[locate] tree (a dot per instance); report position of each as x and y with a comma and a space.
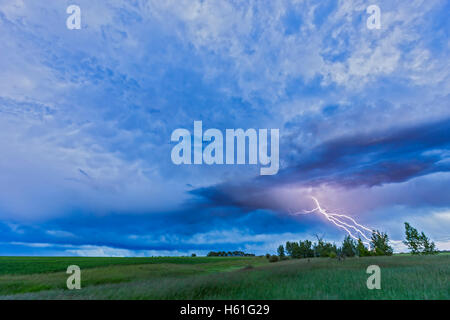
361, 249
418, 243
305, 249
332, 250
349, 247
319, 246
428, 247
412, 240
324, 249
280, 251
295, 250
193, 255
289, 248
380, 243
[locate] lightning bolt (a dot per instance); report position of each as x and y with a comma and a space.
342, 221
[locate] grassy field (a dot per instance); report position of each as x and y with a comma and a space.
402, 277
30, 265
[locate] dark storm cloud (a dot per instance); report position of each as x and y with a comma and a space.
376, 158
352, 161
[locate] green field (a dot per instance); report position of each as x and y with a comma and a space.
402, 277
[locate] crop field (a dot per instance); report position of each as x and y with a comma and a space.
402, 277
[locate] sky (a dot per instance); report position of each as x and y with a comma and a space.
86, 117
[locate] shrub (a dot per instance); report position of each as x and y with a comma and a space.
273, 258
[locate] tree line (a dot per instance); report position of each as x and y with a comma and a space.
417, 243
229, 254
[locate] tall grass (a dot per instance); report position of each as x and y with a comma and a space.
402, 277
